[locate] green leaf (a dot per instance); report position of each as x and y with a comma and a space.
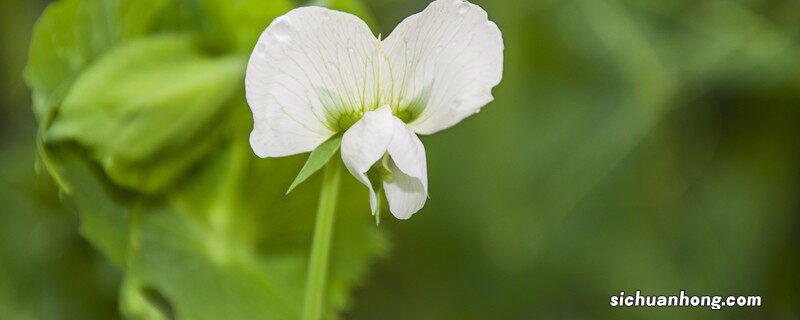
214, 249
143, 100
68, 36
104, 210
318, 158
143, 302
148, 136
71, 34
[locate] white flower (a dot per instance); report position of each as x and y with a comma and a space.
317, 72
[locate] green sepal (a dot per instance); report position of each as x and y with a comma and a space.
318, 158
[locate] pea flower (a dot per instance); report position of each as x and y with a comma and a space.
316, 73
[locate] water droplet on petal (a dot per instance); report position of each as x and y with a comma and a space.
351, 50
477, 111
438, 49
281, 30
332, 66
457, 103
463, 7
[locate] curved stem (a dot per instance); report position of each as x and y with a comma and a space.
321, 244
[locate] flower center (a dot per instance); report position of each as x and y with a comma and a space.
344, 120
381, 171
409, 110
340, 115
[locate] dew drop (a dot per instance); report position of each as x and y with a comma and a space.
281, 30
457, 104
463, 8
350, 49
332, 66
477, 111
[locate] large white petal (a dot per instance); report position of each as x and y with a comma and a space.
309, 67
407, 191
365, 143
445, 59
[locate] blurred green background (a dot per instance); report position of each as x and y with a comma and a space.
632, 145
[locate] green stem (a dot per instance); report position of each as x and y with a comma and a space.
321, 244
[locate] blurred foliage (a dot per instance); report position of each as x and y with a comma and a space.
143, 126
633, 145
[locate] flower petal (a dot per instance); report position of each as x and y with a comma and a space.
405, 194
311, 68
407, 191
365, 143
444, 61
408, 152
